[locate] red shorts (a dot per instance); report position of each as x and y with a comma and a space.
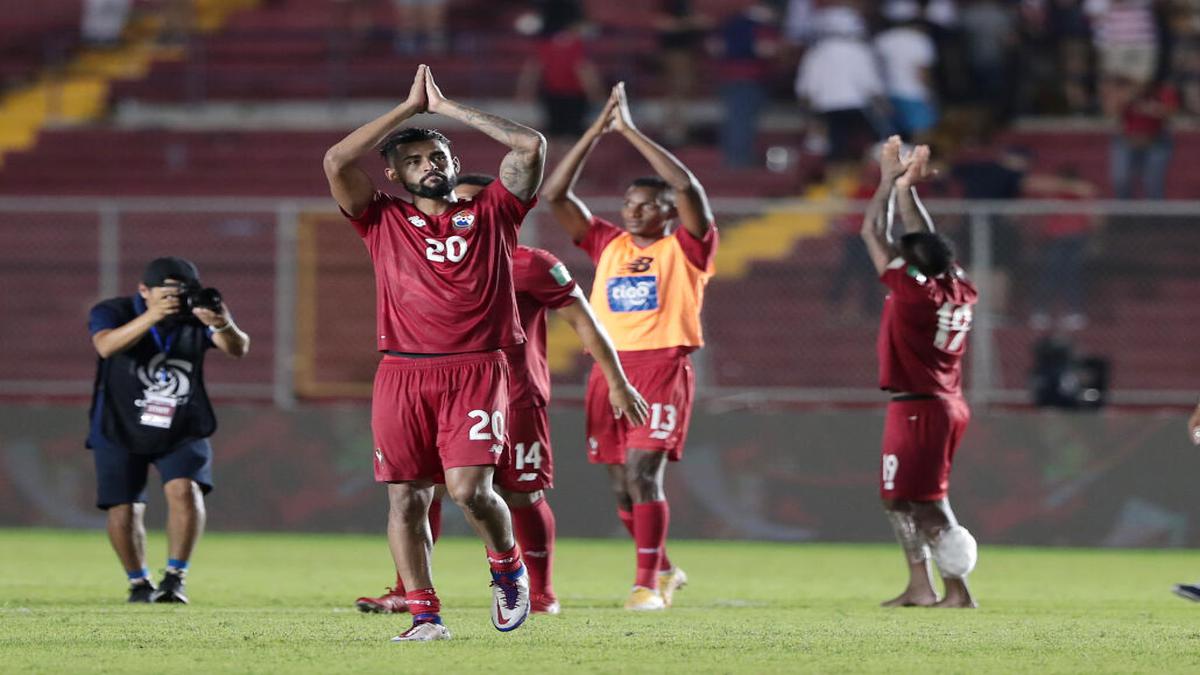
920, 438
668, 384
527, 464
438, 413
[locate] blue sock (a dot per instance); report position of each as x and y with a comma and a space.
176, 565
138, 575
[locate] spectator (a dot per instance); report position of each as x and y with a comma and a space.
680, 34
1143, 146
748, 42
564, 78
990, 31
420, 26
839, 81
1125, 34
989, 175
1070, 31
907, 54
1063, 248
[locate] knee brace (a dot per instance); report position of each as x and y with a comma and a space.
955, 552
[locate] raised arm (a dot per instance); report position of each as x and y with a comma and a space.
912, 212
875, 231
624, 398
690, 200
349, 183
559, 190
521, 169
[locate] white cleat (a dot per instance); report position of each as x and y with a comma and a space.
669, 582
424, 632
510, 600
642, 599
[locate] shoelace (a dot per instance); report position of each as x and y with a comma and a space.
510, 590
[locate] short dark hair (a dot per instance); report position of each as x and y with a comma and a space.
478, 179
931, 253
410, 135
655, 183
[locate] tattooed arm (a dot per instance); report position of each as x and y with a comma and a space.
521, 170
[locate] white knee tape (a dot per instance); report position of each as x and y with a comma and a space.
955, 552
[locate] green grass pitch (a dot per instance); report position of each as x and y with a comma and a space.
283, 604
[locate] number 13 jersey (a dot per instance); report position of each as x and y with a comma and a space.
923, 333
443, 283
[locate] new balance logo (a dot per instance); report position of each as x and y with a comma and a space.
527, 477
649, 550
427, 603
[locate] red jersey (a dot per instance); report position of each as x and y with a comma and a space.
443, 284
923, 334
542, 283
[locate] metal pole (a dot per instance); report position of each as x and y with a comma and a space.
109, 250
286, 218
983, 345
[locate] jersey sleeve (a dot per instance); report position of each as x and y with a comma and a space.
548, 280
104, 317
503, 206
369, 218
699, 251
600, 233
905, 282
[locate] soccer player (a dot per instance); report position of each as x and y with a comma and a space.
922, 338
527, 469
649, 287
445, 310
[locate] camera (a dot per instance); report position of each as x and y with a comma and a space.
193, 295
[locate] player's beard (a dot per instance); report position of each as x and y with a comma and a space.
438, 190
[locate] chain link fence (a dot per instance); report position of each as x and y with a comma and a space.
791, 316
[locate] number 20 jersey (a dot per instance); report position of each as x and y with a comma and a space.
443, 283
923, 334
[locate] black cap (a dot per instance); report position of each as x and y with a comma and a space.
161, 269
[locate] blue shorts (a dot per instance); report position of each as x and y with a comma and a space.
121, 475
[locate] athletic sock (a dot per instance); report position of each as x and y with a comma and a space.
505, 562
627, 520
650, 522
177, 566
534, 529
424, 606
138, 575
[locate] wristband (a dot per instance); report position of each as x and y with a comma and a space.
228, 326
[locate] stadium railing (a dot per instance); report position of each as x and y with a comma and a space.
790, 318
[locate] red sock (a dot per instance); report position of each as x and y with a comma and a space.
435, 519
504, 562
435, 527
650, 535
424, 605
627, 520
534, 529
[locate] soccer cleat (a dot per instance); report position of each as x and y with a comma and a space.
170, 589
542, 603
643, 599
141, 591
391, 602
669, 582
510, 601
425, 631
1187, 591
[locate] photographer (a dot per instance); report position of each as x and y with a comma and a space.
149, 406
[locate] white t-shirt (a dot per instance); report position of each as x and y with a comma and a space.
904, 52
839, 74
